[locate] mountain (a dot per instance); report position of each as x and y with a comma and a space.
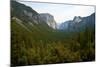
47, 18
64, 25
71, 23
22, 12
77, 19
79, 23
35, 39
89, 20
28, 15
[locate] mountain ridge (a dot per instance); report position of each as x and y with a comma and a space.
78, 22
35, 42
27, 14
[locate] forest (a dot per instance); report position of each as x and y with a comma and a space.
51, 47
33, 42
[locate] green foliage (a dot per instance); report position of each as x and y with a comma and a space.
40, 44
45, 47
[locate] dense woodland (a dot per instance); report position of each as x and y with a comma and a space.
43, 45
52, 47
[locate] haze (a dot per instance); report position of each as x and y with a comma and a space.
61, 12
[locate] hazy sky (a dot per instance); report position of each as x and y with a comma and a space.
61, 12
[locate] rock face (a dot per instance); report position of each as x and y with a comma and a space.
49, 19
71, 23
79, 23
77, 19
64, 26
21, 10
28, 15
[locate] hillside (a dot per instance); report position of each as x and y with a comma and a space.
79, 24
35, 39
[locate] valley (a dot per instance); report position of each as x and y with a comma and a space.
36, 39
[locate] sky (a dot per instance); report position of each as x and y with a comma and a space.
61, 12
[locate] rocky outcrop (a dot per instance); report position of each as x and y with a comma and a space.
48, 18
28, 15
79, 23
